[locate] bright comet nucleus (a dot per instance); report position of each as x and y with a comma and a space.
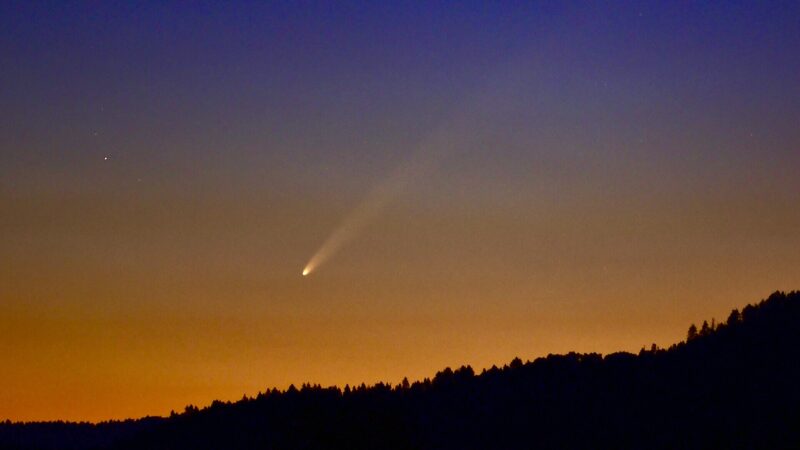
306, 271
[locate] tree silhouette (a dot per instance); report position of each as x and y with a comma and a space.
728, 386
692, 332
734, 318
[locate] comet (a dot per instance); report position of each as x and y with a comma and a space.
456, 133
419, 165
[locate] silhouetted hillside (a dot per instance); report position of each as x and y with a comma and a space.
730, 385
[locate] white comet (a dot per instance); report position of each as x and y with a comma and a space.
457, 133
420, 164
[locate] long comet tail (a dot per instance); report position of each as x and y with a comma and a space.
426, 159
419, 165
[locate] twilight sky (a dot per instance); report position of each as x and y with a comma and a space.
584, 176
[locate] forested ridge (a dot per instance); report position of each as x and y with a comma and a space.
734, 383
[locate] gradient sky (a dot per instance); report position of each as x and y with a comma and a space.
617, 171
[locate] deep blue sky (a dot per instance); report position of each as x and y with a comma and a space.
155, 79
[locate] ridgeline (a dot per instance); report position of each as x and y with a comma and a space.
733, 384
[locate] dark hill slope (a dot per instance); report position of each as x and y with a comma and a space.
735, 385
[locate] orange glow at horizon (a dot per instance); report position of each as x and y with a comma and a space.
141, 321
